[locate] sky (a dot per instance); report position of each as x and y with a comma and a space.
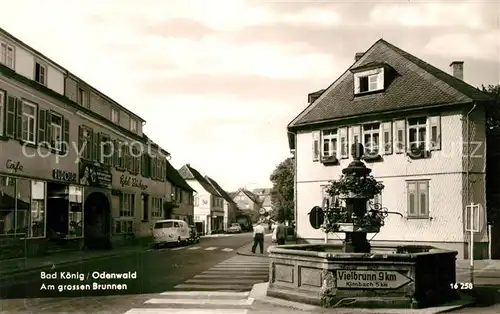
219, 80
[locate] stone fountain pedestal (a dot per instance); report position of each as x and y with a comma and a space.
310, 274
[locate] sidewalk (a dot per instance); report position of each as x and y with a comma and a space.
484, 264
10, 267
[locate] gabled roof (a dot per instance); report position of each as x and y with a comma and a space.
176, 179
416, 84
219, 189
251, 196
189, 173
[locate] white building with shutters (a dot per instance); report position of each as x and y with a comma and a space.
412, 120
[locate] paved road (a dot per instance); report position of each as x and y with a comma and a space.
224, 288
156, 271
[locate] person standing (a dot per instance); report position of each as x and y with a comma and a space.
281, 233
258, 238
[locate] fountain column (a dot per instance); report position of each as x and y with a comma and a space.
356, 242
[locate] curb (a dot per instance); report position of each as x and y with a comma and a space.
25, 270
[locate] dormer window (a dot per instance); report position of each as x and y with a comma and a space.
369, 78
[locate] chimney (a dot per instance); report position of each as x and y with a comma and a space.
457, 68
358, 55
313, 96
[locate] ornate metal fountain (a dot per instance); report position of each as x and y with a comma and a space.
352, 211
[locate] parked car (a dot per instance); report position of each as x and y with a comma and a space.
234, 228
194, 236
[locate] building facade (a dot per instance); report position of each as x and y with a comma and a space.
69, 176
264, 195
420, 128
208, 203
230, 207
248, 203
181, 200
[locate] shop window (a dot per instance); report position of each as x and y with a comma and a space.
15, 200
37, 209
75, 214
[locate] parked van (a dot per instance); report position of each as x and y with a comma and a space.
171, 231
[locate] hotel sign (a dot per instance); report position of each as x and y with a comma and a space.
371, 279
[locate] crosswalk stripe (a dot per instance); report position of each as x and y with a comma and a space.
244, 263
212, 281
177, 248
186, 311
237, 268
207, 293
210, 248
241, 266
227, 250
248, 301
194, 248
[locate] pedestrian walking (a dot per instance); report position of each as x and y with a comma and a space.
258, 238
281, 233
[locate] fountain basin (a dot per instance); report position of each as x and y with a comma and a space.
395, 277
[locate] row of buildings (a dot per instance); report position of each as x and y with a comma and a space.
425, 138
76, 168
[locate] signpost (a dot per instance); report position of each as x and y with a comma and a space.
371, 279
472, 211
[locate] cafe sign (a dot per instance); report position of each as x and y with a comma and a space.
371, 279
64, 175
14, 165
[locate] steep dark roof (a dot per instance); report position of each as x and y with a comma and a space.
176, 179
219, 189
251, 196
189, 173
416, 84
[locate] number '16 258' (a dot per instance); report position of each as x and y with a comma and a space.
461, 285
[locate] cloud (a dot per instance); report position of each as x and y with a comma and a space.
484, 45
428, 14
175, 57
178, 27
248, 87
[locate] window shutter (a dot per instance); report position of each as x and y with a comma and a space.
357, 89
126, 157
380, 79
81, 140
48, 129
116, 153
412, 199
435, 132
400, 136
387, 137
41, 126
344, 143
66, 144
19, 119
143, 167
10, 117
423, 197
315, 145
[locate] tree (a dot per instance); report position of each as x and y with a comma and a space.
493, 112
492, 151
282, 193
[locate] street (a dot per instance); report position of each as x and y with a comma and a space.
152, 272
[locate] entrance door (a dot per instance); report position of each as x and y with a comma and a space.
97, 221
145, 207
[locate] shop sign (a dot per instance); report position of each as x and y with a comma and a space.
92, 175
133, 182
64, 175
14, 165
